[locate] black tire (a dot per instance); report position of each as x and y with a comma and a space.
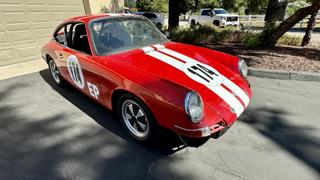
159, 26
152, 134
193, 23
216, 23
55, 74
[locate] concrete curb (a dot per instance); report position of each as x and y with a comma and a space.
285, 75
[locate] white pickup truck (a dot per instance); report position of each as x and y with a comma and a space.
217, 16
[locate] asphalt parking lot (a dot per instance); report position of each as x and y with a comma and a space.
52, 133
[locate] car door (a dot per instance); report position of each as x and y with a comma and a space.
206, 17
77, 62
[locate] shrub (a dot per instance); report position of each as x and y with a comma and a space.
290, 40
251, 40
196, 35
209, 34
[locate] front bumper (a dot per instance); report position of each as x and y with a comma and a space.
230, 23
215, 131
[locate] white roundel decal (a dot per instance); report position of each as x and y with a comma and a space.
75, 71
203, 74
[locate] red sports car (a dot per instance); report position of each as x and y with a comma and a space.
126, 64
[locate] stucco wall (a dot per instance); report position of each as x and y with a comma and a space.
103, 6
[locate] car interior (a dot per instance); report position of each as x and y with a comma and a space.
76, 37
80, 39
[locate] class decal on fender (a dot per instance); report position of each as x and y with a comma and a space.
75, 72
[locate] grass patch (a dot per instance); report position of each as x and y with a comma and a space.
211, 35
290, 40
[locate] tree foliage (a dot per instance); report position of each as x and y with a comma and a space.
152, 5
130, 3
272, 33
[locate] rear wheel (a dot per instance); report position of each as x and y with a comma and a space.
216, 23
159, 26
55, 74
137, 119
193, 23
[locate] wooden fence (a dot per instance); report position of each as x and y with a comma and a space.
258, 21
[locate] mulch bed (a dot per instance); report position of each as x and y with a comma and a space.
291, 58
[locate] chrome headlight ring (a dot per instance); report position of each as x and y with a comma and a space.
243, 68
193, 106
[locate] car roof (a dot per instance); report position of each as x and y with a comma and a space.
144, 13
87, 18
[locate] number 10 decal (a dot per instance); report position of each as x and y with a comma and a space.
75, 71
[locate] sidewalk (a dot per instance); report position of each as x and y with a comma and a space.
22, 69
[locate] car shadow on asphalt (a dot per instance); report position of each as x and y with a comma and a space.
295, 139
53, 147
106, 118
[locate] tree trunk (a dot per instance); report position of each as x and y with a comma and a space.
269, 37
309, 30
173, 14
270, 17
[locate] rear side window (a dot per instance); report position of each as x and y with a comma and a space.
206, 12
59, 36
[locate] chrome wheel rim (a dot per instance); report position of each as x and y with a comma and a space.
135, 119
54, 71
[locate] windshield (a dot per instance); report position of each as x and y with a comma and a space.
122, 33
220, 11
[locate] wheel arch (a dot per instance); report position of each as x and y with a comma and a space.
117, 93
48, 57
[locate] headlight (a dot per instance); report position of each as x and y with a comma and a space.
243, 68
193, 106
223, 18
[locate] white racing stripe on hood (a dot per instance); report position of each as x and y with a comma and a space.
224, 94
237, 90
167, 59
233, 102
227, 82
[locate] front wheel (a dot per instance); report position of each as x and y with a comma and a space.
216, 23
137, 119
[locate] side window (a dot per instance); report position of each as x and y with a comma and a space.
59, 35
77, 38
149, 15
206, 12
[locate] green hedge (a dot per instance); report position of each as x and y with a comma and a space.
212, 35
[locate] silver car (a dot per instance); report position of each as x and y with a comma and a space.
155, 18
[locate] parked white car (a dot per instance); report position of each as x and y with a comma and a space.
155, 18
217, 16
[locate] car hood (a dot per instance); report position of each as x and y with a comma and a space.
174, 62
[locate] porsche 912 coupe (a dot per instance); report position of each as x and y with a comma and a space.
127, 65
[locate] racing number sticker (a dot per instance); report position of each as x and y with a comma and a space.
75, 71
203, 74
